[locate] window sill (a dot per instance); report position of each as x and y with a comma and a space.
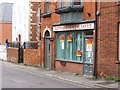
45, 15
80, 62
117, 62
69, 9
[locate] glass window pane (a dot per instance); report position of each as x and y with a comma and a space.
47, 7
60, 46
79, 47
88, 49
76, 2
69, 46
65, 3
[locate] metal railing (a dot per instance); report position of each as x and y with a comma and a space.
13, 44
29, 45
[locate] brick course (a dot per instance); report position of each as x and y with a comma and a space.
12, 55
32, 57
69, 67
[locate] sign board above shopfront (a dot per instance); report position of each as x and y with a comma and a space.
85, 26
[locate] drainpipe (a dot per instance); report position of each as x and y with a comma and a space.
96, 29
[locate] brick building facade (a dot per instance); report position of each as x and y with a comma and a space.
104, 39
48, 18
49, 34
81, 39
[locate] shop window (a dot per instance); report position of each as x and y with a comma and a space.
79, 47
60, 46
69, 46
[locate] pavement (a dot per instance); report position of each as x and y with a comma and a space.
3, 52
86, 81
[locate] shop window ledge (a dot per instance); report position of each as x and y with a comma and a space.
117, 62
63, 60
69, 9
45, 15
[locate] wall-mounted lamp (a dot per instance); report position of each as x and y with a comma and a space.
98, 13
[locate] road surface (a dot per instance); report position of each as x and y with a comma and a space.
18, 76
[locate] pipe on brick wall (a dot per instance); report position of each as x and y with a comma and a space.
96, 31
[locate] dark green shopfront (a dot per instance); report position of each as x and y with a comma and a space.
75, 47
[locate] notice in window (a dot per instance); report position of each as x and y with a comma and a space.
89, 54
62, 45
89, 47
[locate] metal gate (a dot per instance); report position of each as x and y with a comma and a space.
20, 54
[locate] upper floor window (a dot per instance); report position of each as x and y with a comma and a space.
67, 3
47, 6
76, 2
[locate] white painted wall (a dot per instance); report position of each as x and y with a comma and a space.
21, 19
3, 53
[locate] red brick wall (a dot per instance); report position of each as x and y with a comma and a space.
5, 32
12, 55
49, 21
108, 40
89, 8
32, 57
69, 67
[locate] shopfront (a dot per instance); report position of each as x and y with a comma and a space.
75, 47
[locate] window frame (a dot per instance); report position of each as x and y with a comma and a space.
71, 3
74, 47
47, 6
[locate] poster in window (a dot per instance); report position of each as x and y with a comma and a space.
62, 45
89, 45
78, 53
89, 42
61, 38
69, 38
